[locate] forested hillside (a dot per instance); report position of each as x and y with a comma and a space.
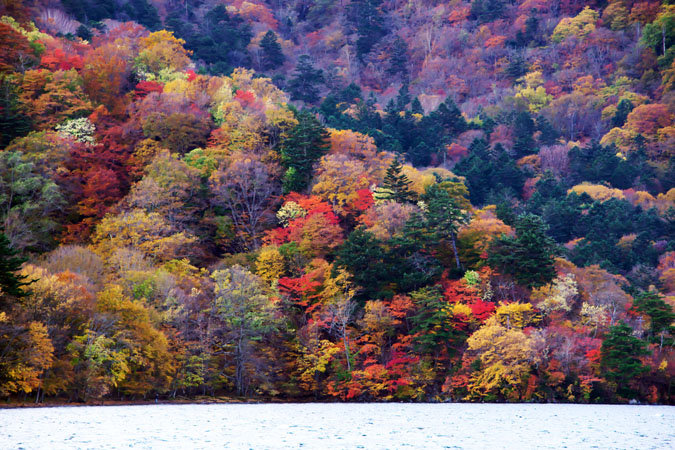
358, 200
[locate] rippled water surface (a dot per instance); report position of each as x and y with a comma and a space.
329, 426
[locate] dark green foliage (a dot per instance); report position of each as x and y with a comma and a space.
13, 121
28, 201
487, 10
489, 172
304, 84
548, 135
220, 40
403, 98
11, 283
620, 358
272, 57
363, 256
661, 317
420, 156
302, 147
489, 123
523, 134
380, 269
367, 20
443, 217
396, 185
419, 139
142, 12
88, 11
517, 66
416, 107
597, 163
622, 110
558, 210
528, 256
84, 33
432, 324
449, 117
529, 36
398, 61
350, 94
602, 224
411, 263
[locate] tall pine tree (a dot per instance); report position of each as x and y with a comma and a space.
396, 185
272, 57
528, 256
304, 84
10, 282
302, 147
398, 63
621, 353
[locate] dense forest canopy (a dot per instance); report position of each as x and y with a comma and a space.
318, 199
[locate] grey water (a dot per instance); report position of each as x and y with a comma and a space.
340, 426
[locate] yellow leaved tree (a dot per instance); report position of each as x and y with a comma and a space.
506, 358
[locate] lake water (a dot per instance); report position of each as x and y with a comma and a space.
339, 426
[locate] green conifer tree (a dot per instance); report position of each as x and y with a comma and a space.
620, 358
10, 283
304, 145
396, 185
398, 63
304, 84
272, 56
528, 256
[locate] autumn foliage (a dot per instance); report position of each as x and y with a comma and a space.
368, 201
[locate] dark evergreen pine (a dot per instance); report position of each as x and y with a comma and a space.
620, 358
490, 172
431, 327
517, 66
143, 12
11, 283
363, 257
443, 217
420, 155
596, 163
403, 98
416, 107
302, 147
396, 185
440, 126
304, 84
622, 110
88, 11
13, 122
350, 94
84, 33
528, 256
272, 56
489, 124
548, 135
368, 21
661, 317
487, 10
523, 134
450, 117
220, 40
398, 62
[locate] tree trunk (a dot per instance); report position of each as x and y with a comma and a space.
454, 249
345, 338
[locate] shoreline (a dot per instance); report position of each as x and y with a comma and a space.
237, 401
